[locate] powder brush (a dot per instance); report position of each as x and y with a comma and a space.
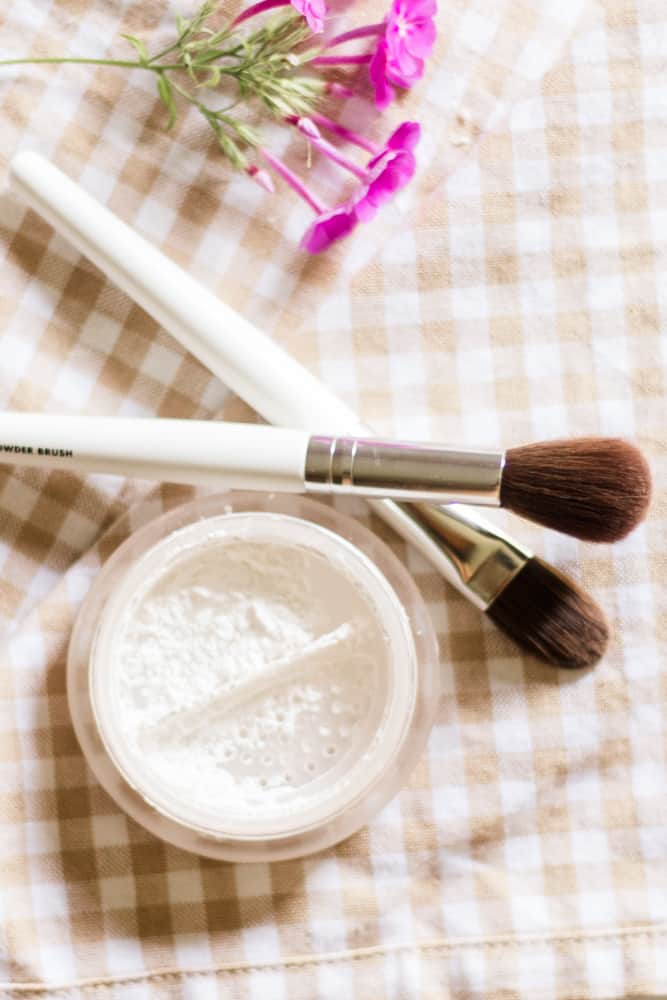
592, 488
543, 610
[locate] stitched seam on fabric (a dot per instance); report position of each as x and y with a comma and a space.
300, 962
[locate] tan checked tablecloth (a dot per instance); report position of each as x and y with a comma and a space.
521, 293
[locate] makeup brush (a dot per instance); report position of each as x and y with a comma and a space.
567, 485
541, 608
595, 488
544, 611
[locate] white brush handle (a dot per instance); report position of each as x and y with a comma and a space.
245, 359
250, 457
238, 456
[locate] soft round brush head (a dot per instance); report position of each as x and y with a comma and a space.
597, 489
548, 613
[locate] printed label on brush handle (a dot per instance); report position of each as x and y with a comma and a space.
21, 449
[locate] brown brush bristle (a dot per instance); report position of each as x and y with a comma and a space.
597, 489
548, 613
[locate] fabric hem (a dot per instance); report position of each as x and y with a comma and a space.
444, 945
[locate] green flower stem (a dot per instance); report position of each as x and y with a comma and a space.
123, 63
170, 48
219, 54
151, 65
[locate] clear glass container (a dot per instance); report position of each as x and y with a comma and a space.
367, 767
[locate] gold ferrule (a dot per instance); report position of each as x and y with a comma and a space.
403, 471
472, 554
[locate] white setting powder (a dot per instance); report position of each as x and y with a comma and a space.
249, 676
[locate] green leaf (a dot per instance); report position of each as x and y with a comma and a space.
139, 46
187, 62
167, 97
213, 78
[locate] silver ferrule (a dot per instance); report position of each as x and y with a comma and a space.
403, 471
475, 556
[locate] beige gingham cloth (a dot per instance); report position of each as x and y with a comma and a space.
520, 293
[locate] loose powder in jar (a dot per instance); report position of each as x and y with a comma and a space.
253, 675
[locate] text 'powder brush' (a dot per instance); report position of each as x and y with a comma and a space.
567, 485
543, 611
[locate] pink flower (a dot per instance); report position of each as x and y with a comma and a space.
407, 40
331, 224
314, 12
329, 227
410, 34
389, 170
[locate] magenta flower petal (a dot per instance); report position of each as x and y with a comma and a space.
423, 9
329, 227
391, 172
314, 12
403, 68
406, 136
420, 39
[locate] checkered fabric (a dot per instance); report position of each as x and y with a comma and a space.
516, 294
